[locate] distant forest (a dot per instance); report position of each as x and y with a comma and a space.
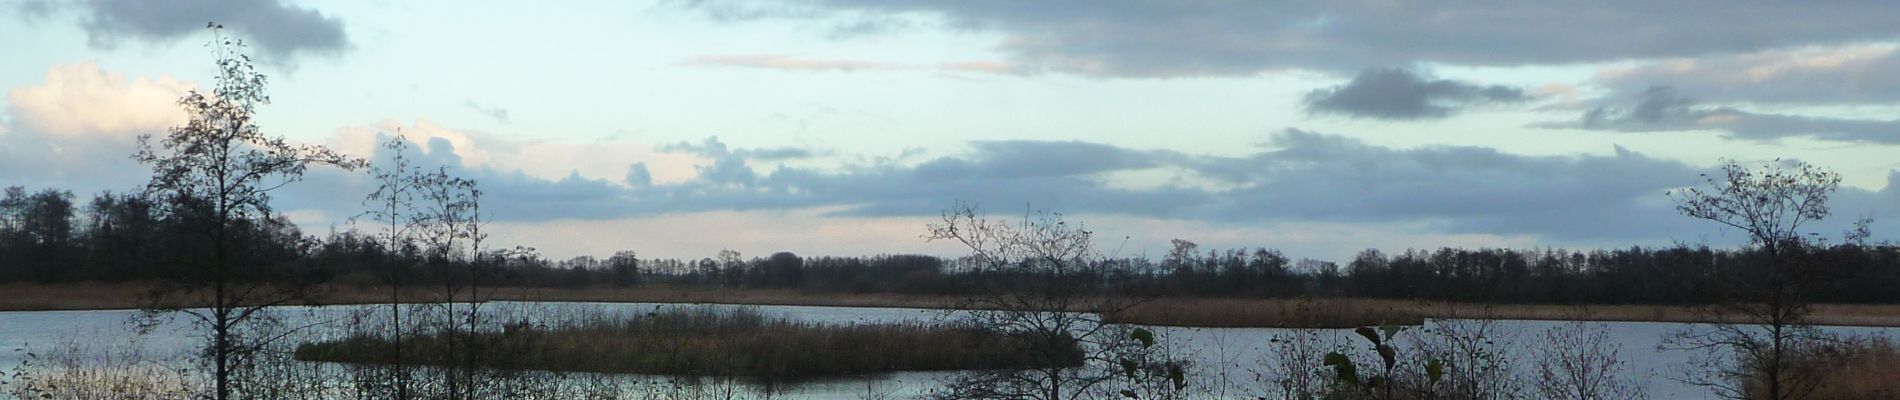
46, 236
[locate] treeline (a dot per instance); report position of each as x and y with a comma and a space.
46, 236
49, 236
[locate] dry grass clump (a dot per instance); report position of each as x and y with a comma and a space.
1865, 369
699, 341
75, 369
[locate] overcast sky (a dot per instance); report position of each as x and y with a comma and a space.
841, 127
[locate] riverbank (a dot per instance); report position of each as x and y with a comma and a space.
1204, 312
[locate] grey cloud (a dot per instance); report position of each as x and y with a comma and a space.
1159, 39
1029, 158
638, 176
82, 164
715, 149
1765, 127
1400, 94
1300, 176
31, 10
281, 31
1851, 74
498, 113
1661, 109
1465, 189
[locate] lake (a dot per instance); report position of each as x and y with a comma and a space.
1239, 353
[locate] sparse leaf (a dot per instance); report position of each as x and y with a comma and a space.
1178, 375
1343, 368
1146, 337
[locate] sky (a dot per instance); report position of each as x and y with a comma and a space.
842, 127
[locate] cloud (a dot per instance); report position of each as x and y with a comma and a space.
701, 234
783, 62
791, 63
1400, 94
988, 67
638, 176
538, 159
1662, 109
1299, 189
1844, 74
77, 128
712, 148
1301, 177
1161, 39
83, 100
498, 113
283, 32
1309, 192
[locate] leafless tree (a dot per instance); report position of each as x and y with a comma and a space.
395, 201
451, 224
1480, 358
1038, 291
1765, 306
220, 167
1578, 360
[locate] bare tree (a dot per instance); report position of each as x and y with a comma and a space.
1766, 305
394, 201
1578, 360
452, 221
220, 169
433, 217
1038, 290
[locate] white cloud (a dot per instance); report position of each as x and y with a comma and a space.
753, 233
549, 160
81, 100
308, 217
76, 129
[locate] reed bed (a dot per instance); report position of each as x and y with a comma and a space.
1864, 369
697, 341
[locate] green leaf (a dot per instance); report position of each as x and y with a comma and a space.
1435, 370
1146, 337
1130, 394
1369, 334
1335, 359
1343, 368
1178, 375
1390, 330
1129, 367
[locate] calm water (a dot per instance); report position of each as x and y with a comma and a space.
1240, 352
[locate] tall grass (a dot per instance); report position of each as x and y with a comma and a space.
700, 341
1862, 369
